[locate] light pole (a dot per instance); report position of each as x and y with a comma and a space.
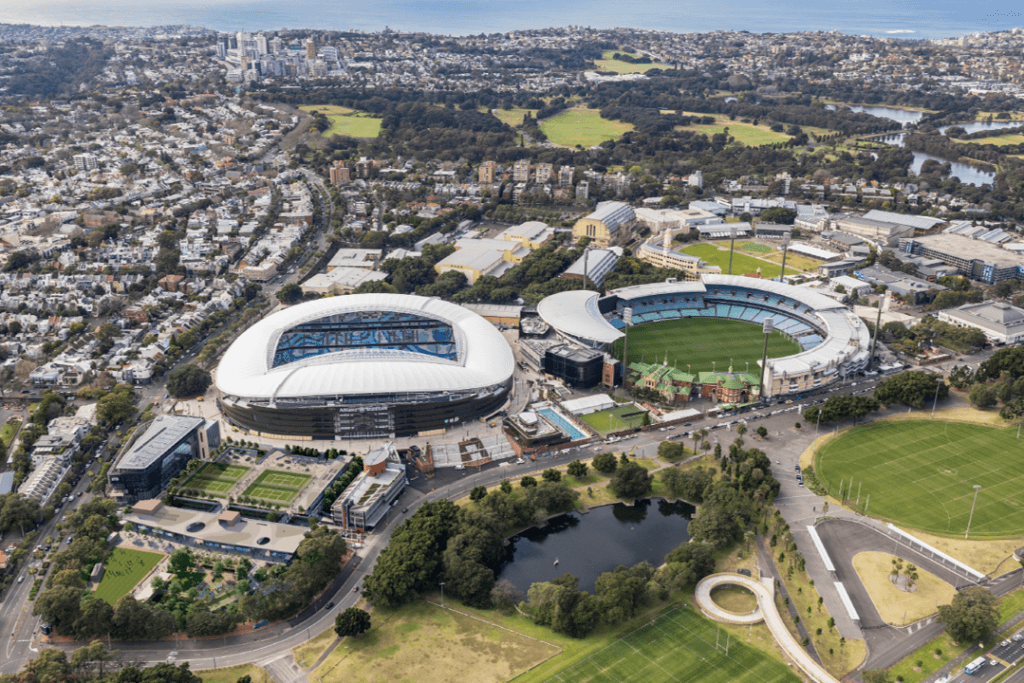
785, 250
442, 594
976, 488
732, 240
767, 327
936, 402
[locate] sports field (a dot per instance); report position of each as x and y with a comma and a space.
743, 133
679, 646
623, 417
345, 121
124, 569
699, 341
277, 486
922, 474
582, 127
607, 63
741, 262
216, 479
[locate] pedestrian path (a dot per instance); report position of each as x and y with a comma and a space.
766, 611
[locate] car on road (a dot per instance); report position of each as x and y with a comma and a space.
404, 510
330, 605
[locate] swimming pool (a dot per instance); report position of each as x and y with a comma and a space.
563, 424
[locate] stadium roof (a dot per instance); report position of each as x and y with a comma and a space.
163, 433
575, 314
916, 222
655, 288
483, 357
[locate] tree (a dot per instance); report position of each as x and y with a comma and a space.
290, 294
527, 482
972, 616
605, 463
352, 622
61, 606
116, 406
188, 380
551, 475
51, 666
631, 481
875, 676
762, 432
506, 486
478, 493
93, 653
577, 469
182, 561
982, 396
912, 388
505, 596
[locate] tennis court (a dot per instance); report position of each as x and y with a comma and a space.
215, 478
617, 419
277, 486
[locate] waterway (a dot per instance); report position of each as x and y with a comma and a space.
968, 174
900, 116
587, 545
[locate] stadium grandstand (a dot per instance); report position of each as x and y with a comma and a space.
834, 343
368, 365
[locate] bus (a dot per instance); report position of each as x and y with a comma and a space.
975, 666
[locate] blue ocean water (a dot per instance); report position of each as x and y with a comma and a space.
903, 19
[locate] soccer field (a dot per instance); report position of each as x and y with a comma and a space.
922, 474
741, 263
699, 341
679, 646
277, 486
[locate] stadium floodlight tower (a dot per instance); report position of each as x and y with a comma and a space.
627, 317
977, 487
732, 240
768, 326
785, 250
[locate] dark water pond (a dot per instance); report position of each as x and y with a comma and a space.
599, 541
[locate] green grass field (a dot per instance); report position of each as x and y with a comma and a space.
215, 478
124, 569
922, 474
512, 117
616, 419
277, 486
755, 248
679, 646
582, 127
741, 263
743, 133
606, 63
345, 121
699, 341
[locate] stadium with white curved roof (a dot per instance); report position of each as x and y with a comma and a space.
366, 365
834, 342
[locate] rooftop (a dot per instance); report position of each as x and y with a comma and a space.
965, 247
163, 433
207, 527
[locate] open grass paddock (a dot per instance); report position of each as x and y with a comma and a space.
742, 263
607, 63
699, 341
345, 121
124, 569
583, 127
678, 646
921, 474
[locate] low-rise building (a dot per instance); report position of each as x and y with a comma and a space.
607, 226
1001, 322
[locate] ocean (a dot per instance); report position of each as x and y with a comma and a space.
880, 18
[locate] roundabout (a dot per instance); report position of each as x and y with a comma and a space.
765, 611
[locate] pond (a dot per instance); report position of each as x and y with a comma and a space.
969, 175
978, 126
587, 545
900, 116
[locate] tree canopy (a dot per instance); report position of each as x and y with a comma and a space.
973, 615
911, 388
188, 380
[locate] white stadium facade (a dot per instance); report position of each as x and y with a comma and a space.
834, 342
366, 365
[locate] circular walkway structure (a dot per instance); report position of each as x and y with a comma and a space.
766, 611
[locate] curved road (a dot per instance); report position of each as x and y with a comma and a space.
766, 611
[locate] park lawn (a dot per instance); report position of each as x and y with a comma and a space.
424, 643
997, 140
606, 63
513, 117
124, 569
345, 121
704, 344
743, 133
583, 127
735, 599
922, 474
1009, 606
8, 431
741, 263
306, 654
897, 607
231, 674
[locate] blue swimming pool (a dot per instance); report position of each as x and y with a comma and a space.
563, 424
